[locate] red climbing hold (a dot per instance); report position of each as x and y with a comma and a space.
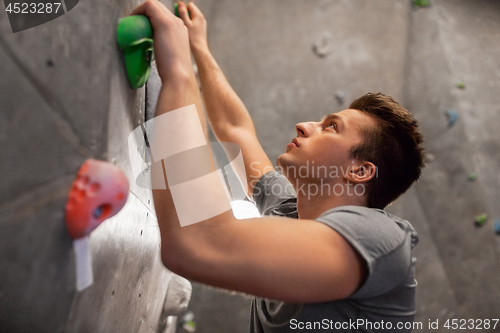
99, 191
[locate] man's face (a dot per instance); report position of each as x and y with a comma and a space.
325, 143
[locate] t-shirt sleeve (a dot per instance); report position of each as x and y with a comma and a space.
384, 244
274, 195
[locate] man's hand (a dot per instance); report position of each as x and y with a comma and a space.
171, 41
196, 24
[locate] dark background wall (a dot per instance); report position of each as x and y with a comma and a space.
64, 98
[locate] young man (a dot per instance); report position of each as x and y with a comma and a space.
330, 259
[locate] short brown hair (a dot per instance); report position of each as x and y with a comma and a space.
395, 147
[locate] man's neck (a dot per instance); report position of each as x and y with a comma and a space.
311, 206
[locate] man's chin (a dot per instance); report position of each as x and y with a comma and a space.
281, 161
284, 161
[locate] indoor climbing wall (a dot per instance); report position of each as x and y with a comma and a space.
64, 98
292, 61
453, 66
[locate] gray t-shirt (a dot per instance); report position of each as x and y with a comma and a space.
386, 300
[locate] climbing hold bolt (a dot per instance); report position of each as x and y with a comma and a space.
135, 38
452, 116
481, 219
99, 191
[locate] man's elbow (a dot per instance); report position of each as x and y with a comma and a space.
178, 255
186, 249
172, 261
230, 132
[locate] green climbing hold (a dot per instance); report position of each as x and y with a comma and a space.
189, 326
135, 38
472, 176
460, 85
481, 219
421, 3
176, 10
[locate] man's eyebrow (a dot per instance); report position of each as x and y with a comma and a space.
333, 116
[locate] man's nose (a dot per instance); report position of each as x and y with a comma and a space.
305, 129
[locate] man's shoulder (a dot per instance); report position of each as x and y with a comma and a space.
383, 240
370, 228
366, 216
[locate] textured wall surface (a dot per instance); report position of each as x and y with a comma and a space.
64, 97
460, 41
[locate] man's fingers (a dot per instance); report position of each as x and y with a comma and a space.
152, 9
183, 11
194, 10
144, 8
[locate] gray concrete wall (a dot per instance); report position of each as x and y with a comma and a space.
64, 97
460, 41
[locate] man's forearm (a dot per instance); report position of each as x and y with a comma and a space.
229, 118
177, 91
224, 108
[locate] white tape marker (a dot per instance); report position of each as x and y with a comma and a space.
83, 260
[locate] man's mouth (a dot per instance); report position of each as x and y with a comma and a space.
293, 144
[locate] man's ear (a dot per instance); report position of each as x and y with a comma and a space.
362, 172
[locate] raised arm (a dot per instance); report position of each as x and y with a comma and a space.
228, 117
284, 259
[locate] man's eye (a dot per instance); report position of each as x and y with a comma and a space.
333, 125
